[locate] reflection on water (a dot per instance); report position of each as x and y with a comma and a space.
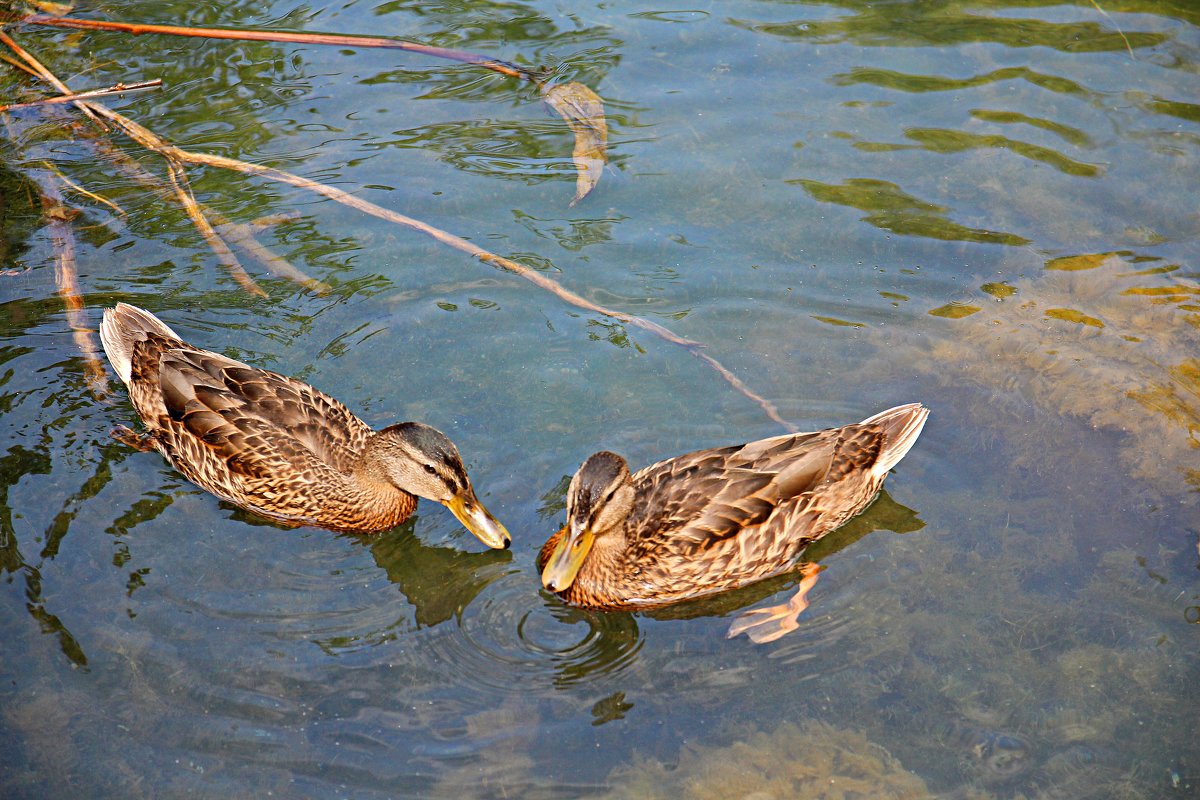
985, 206
893, 209
439, 581
963, 23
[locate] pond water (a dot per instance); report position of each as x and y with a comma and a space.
986, 207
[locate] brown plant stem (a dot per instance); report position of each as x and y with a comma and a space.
228, 260
47, 76
580, 107
1124, 38
242, 236
58, 219
180, 191
95, 198
337, 40
119, 88
12, 62
152, 141
176, 156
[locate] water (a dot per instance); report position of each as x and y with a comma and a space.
986, 207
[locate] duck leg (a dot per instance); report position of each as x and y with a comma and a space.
764, 625
143, 442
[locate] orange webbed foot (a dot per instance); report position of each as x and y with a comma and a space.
764, 625
140, 441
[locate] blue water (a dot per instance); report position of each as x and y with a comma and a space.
986, 207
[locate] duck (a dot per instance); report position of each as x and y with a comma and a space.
717, 519
276, 446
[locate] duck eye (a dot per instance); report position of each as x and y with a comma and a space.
429, 468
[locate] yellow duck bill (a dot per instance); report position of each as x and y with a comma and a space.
566, 559
478, 520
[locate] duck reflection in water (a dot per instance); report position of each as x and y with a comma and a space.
439, 582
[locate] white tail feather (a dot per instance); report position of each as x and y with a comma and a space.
122, 328
901, 427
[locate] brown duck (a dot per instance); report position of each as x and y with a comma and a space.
279, 447
718, 519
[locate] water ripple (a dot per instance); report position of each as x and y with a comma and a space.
512, 636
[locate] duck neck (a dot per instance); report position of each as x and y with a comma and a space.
374, 492
369, 467
606, 569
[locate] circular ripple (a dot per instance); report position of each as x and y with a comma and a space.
512, 636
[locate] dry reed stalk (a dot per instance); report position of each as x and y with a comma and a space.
119, 88
179, 191
58, 219
243, 236
47, 75
335, 39
176, 156
12, 62
183, 193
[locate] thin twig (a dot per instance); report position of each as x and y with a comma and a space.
178, 176
239, 235
243, 236
89, 195
337, 40
184, 193
48, 76
119, 88
23, 67
528, 273
579, 106
58, 218
1115, 25
175, 156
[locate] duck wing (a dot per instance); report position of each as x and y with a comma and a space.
705, 500
257, 422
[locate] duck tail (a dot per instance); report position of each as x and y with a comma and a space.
901, 427
122, 328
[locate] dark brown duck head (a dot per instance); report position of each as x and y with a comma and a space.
599, 501
422, 461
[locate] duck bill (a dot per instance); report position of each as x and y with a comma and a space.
567, 557
478, 520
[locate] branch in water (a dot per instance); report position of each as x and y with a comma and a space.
119, 88
47, 76
335, 39
175, 155
58, 219
579, 106
183, 193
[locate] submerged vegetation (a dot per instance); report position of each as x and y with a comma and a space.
1088, 340
812, 761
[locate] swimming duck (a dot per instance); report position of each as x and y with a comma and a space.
717, 519
277, 446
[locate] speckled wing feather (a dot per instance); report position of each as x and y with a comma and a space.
237, 431
702, 498
266, 409
736, 514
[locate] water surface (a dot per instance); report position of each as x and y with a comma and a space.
986, 207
